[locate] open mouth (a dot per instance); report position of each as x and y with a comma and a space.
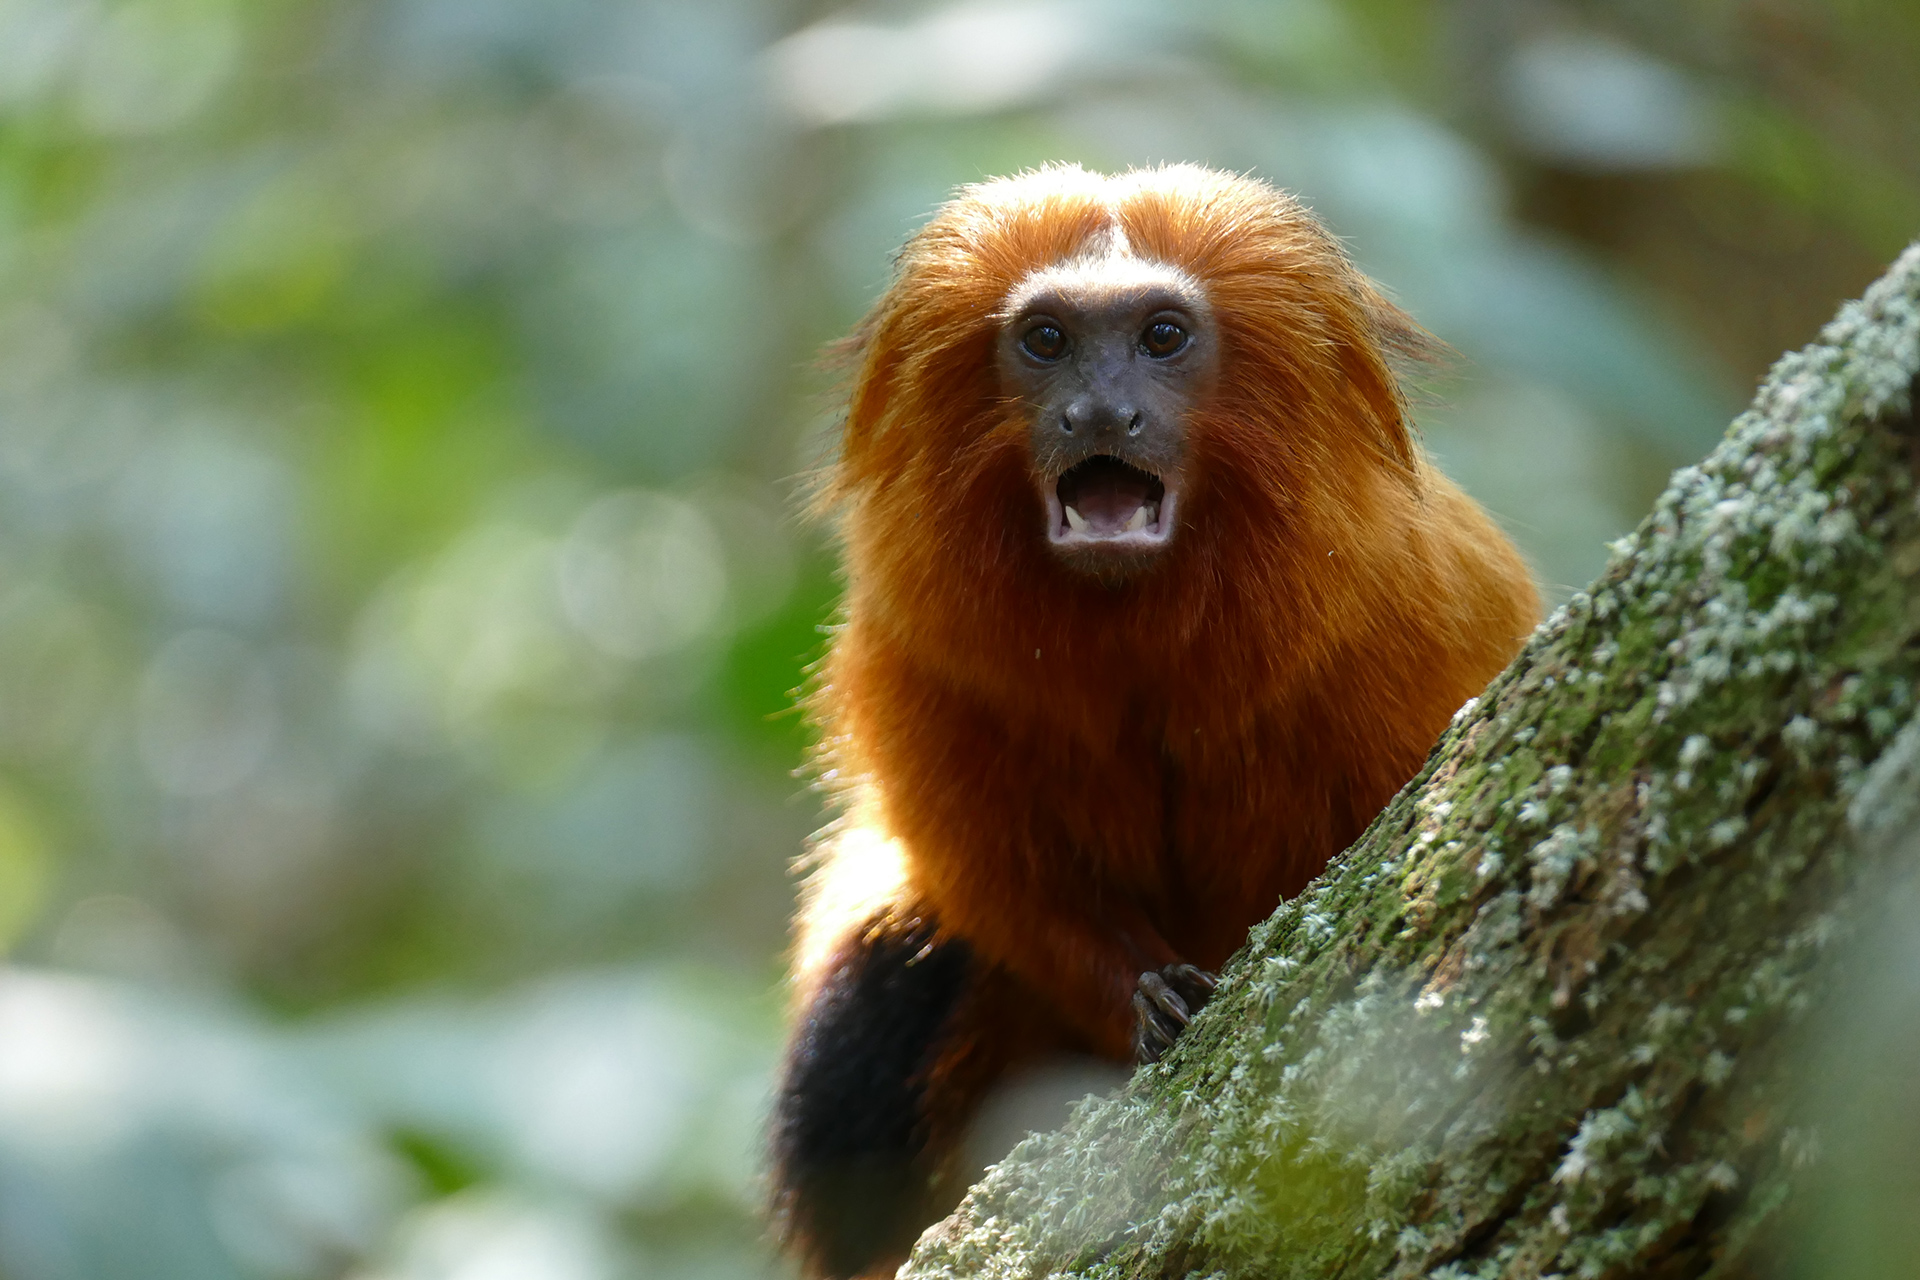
1103, 501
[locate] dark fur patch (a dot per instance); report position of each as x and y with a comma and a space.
851, 1167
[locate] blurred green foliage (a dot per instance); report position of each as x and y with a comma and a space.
401, 408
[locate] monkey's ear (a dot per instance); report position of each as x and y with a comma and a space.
867, 366
1412, 352
1409, 358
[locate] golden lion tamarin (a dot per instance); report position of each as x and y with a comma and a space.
1152, 603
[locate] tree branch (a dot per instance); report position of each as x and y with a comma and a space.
1538, 1018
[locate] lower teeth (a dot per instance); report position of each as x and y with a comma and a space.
1136, 523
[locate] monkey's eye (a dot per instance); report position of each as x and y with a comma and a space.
1163, 338
1044, 342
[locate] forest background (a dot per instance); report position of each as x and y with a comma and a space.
401, 407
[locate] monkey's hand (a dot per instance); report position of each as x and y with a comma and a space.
1162, 1005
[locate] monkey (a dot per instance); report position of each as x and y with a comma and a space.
1152, 602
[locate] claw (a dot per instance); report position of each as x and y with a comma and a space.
1193, 976
1163, 997
1150, 1039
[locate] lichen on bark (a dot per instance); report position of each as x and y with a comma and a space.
1537, 1021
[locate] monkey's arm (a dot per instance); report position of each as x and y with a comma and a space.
1086, 955
862, 877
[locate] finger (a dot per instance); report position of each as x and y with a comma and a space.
1150, 1037
1193, 975
1164, 997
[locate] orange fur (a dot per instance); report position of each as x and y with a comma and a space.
1087, 780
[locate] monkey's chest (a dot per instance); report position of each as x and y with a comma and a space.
1197, 826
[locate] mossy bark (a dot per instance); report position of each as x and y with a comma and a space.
1539, 1019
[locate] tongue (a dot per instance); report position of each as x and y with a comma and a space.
1107, 497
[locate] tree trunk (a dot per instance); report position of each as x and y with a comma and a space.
1540, 1019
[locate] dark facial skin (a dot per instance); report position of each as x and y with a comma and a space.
1108, 360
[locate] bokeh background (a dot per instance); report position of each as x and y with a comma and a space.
400, 409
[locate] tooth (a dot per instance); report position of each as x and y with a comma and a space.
1138, 520
1076, 521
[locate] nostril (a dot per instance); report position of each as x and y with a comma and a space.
1133, 427
1066, 424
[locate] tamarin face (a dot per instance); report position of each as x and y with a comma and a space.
1171, 380
1107, 355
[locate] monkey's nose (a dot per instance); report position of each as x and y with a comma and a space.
1098, 416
